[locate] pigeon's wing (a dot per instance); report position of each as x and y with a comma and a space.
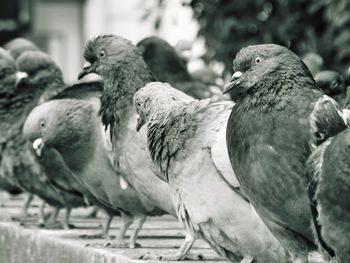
219, 150
216, 122
19, 164
57, 172
314, 167
84, 90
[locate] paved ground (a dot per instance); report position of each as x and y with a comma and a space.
29, 243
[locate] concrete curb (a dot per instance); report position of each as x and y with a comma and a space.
19, 245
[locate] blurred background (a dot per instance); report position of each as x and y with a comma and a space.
206, 32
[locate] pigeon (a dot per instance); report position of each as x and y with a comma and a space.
8, 78
123, 70
333, 84
168, 66
14, 48
73, 128
18, 46
18, 160
186, 138
328, 169
61, 177
269, 142
7, 85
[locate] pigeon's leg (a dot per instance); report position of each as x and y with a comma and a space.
106, 226
138, 223
119, 241
66, 224
181, 254
105, 230
24, 211
52, 223
2, 198
185, 248
42, 216
26, 205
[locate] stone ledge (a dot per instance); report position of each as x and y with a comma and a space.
22, 245
30, 244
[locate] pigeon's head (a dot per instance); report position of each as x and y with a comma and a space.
259, 64
38, 66
34, 61
106, 53
163, 60
326, 120
155, 99
57, 123
313, 61
331, 82
7, 65
149, 44
18, 46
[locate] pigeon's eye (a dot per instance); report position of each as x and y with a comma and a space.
139, 104
334, 84
257, 60
102, 54
42, 124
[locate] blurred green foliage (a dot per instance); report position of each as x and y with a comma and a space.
321, 26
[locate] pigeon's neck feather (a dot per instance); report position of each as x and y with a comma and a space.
7, 85
77, 144
168, 131
274, 90
120, 86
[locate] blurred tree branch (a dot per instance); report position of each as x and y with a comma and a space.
321, 26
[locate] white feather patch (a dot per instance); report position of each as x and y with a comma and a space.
346, 116
123, 183
106, 137
221, 158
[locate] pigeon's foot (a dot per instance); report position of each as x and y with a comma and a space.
96, 236
123, 244
113, 244
134, 245
176, 257
52, 225
23, 216
68, 226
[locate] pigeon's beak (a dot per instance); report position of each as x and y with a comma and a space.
38, 146
235, 80
20, 75
140, 123
87, 69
